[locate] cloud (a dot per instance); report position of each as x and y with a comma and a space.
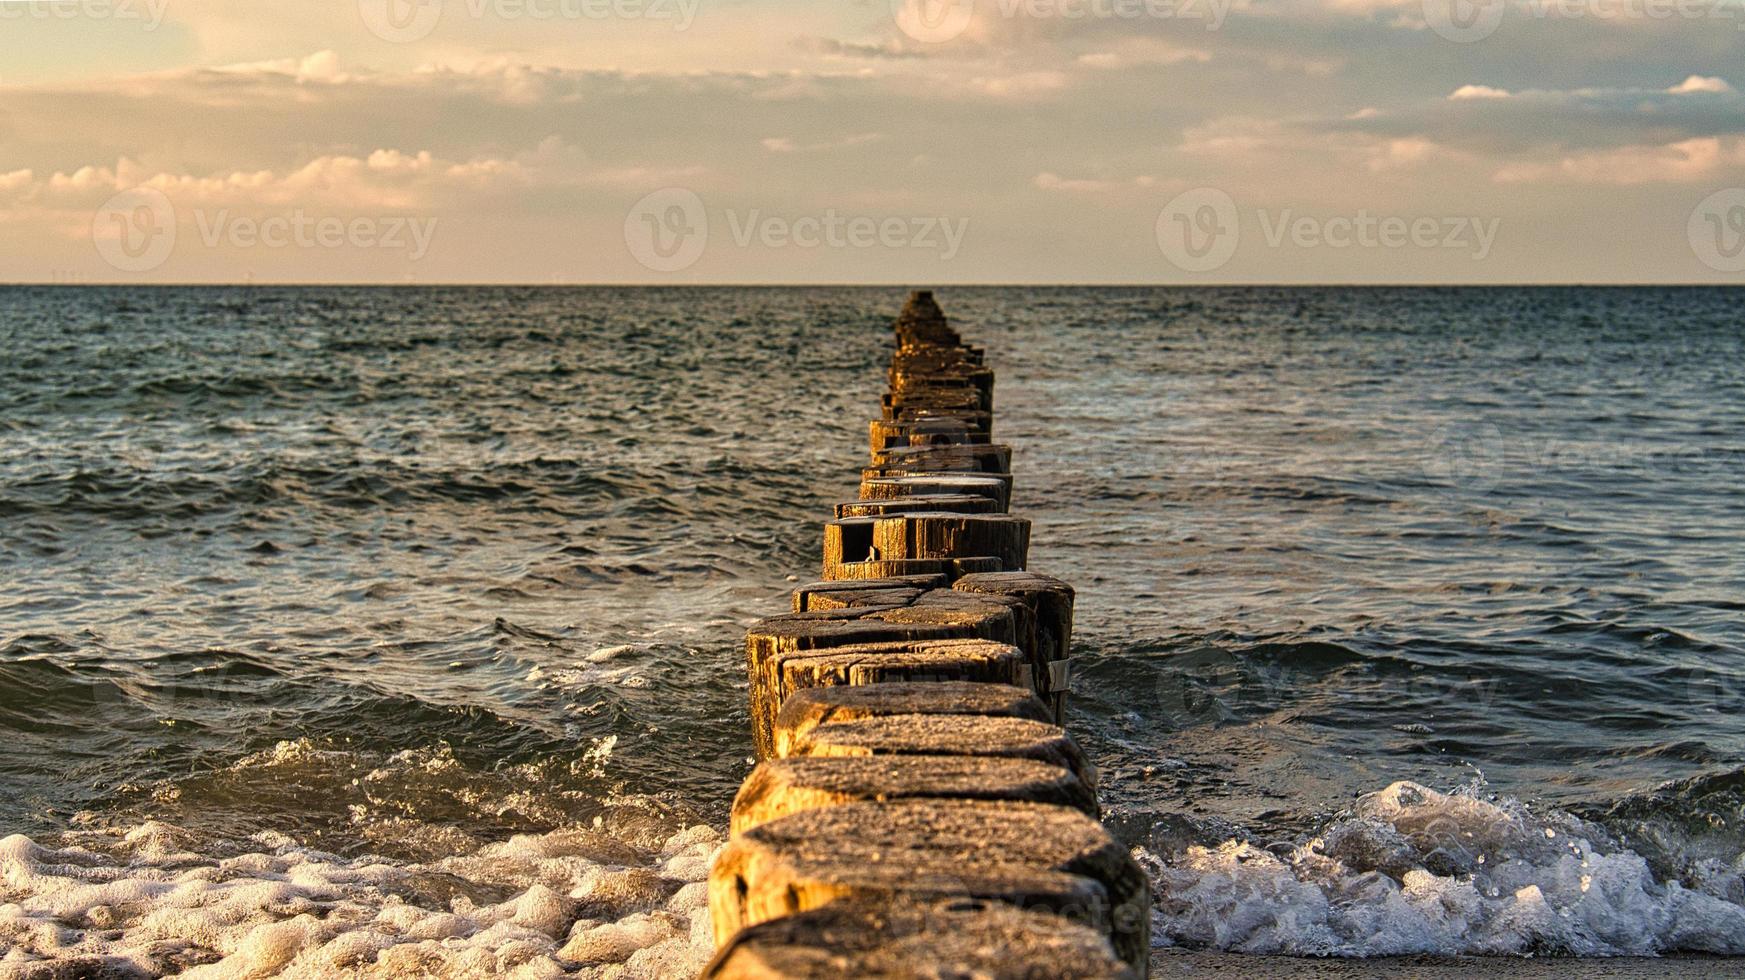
1048, 181
322, 66
1032, 126
1023, 85
1674, 163
1477, 92
1564, 122
785, 144
1142, 51
1698, 83
826, 47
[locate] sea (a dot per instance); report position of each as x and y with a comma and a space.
397, 632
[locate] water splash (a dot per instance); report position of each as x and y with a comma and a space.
1409, 870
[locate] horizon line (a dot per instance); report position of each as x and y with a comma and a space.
526, 284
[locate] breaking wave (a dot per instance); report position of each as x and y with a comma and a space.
1409, 870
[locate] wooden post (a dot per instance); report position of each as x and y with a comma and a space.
931, 735
1050, 603
1024, 854
935, 503
918, 810
954, 937
782, 787
880, 487
808, 709
890, 636
983, 458
926, 536
884, 471
901, 591
886, 434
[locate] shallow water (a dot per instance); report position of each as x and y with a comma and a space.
406, 585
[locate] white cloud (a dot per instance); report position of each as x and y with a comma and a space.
322, 66
1142, 51
786, 144
1394, 154
382, 180
1049, 181
1698, 83
1477, 92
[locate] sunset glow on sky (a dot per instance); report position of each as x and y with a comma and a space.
674, 141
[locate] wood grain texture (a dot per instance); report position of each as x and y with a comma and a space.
771, 643
1027, 855
941, 734
780, 787
805, 710
950, 938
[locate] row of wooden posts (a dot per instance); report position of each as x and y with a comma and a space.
918, 809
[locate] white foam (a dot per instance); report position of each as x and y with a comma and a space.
604, 654
1410, 870
579, 903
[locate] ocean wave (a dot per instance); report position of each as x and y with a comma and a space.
1409, 870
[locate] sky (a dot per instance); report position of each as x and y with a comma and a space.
924, 142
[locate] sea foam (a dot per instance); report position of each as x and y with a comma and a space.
1409, 870
141, 902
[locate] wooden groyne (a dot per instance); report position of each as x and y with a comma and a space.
918, 809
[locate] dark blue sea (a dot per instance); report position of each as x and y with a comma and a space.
397, 632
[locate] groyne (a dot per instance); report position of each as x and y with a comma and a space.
918, 808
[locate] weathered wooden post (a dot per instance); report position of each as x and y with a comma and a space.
1028, 855
1050, 603
941, 735
881, 487
919, 810
781, 787
960, 937
926, 536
